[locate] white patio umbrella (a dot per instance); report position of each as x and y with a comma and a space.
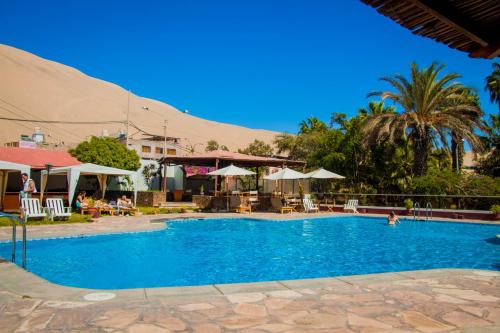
323, 174
285, 174
231, 171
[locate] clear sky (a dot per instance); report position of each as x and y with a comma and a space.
258, 63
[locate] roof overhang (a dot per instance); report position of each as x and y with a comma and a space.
467, 25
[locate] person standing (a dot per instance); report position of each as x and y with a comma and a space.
28, 186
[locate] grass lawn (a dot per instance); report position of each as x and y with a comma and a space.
75, 218
152, 210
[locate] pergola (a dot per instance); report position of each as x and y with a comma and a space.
5, 168
74, 172
471, 26
221, 158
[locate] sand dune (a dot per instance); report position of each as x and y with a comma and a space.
35, 88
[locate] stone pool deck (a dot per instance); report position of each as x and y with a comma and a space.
442, 300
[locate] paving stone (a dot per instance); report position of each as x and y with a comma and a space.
449, 299
424, 323
9, 322
372, 310
239, 322
285, 294
207, 328
274, 327
355, 320
196, 306
463, 319
163, 317
117, 318
318, 320
146, 328
38, 320
245, 297
276, 303
408, 295
471, 295
252, 310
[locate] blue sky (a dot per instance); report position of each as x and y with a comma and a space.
262, 64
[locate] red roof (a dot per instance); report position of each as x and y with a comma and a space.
209, 158
37, 158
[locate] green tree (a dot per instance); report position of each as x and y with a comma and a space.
489, 164
149, 172
433, 107
284, 143
493, 84
212, 145
108, 152
257, 148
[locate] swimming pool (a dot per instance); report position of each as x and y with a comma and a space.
198, 252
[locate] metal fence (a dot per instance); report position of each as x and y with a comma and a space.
469, 202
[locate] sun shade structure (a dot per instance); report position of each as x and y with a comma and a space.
285, 174
5, 168
222, 157
323, 174
74, 172
470, 26
231, 171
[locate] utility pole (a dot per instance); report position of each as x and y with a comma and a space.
128, 115
165, 154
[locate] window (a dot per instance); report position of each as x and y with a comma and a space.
146, 149
171, 152
159, 150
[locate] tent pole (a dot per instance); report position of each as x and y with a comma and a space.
216, 177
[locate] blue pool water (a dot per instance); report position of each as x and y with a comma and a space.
198, 252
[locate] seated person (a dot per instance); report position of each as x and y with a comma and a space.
124, 202
392, 219
81, 201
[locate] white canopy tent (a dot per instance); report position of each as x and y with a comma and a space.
73, 173
5, 168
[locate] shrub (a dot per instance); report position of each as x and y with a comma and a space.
408, 203
495, 209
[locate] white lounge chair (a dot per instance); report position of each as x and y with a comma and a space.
351, 205
253, 199
57, 209
309, 206
32, 208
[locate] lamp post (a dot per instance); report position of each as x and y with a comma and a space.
128, 115
48, 166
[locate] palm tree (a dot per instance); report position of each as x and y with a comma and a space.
433, 107
493, 84
376, 108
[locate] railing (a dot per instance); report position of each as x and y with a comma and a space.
468, 202
15, 219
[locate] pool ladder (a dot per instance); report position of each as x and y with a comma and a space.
15, 219
428, 211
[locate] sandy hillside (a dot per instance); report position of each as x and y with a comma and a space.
35, 88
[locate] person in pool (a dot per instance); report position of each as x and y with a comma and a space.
392, 219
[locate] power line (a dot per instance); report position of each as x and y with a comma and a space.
64, 122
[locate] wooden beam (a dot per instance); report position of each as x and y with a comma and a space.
488, 52
451, 18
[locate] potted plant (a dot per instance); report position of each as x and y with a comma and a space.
92, 209
495, 209
202, 190
408, 205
